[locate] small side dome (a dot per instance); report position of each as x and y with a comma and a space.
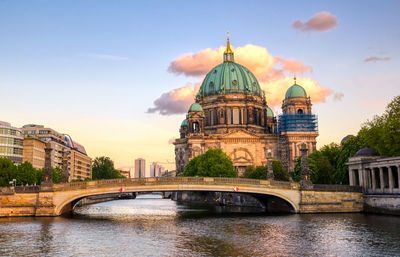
195, 107
184, 123
295, 91
270, 113
366, 152
345, 139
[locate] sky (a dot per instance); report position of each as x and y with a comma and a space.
118, 76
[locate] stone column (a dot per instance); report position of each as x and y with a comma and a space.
47, 176
360, 177
351, 177
398, 176
382, 180
373, 179
391, 182
305, 181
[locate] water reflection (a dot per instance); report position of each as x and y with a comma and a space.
150, 226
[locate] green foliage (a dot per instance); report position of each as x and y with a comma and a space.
103, 168
348, 149
383, 132
25, 173
56, 175
259, 172
213, 163
249, 169
297, 170
279, 172
8, 171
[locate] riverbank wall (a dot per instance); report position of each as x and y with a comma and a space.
382, 204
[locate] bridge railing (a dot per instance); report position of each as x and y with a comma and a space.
174, 180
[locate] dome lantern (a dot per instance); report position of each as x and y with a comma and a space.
228, 54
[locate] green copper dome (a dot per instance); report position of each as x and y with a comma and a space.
184, 123
270, 113
230, 77
295, 91
195, 107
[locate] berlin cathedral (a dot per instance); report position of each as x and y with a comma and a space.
231, 112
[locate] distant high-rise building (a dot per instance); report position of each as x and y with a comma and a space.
11, 142
156, 170
140, 168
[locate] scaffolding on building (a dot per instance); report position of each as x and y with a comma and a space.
297, 123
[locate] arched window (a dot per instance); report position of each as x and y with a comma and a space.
195, 127
300, 111
211, 117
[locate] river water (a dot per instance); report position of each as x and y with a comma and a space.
151, 226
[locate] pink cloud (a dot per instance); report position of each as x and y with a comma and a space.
321, 22
269, 70
171, 140
376, 59
293, 66
338, 96
175, 101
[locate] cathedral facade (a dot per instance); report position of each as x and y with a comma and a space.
231, 112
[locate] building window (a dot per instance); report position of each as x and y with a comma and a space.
195, 128
228, 116
300, 111
211, 117
235, 114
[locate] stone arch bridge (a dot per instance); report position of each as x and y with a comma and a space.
60, 198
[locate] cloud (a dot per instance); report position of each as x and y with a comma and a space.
321, 22
271, 73
275, 90
175, 101
338, 96
293, 66
171, 140
107, 57
376, 59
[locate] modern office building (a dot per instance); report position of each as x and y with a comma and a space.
156, 170
11, 142
66, 153
55, 139
33, 151
140, 168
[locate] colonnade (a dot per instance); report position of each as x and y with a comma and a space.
376, 178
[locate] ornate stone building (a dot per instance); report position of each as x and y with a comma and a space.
231, 112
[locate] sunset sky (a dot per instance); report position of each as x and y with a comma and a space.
118, 75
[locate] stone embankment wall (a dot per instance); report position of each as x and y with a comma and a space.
384, 204
331, 198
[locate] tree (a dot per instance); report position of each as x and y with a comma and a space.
57, 172
103, 168
259, 172
213, 163
279, 172
383, 132
348, 149
27, 174
8, 171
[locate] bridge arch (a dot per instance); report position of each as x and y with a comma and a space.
65, 195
